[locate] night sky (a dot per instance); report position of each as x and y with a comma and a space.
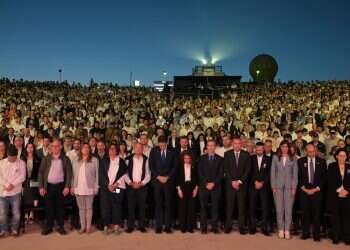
107, 40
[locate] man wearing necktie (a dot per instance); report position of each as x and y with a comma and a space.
311, 174
210, 172
163, 162
237, 164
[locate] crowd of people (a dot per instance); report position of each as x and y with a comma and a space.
135, 154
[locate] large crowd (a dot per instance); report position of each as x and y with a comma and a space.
136, 155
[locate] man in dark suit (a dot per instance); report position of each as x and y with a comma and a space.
10, 138
163, 162
174, 141
184, 146
44, 150
311, 179
210, 172
259, 187
237, 164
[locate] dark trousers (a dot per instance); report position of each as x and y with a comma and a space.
255, 196
311, 213
111, 207
235, 198
136, 200
214, 196
341, 220
54, 205
96, 216
163, 194
187, 214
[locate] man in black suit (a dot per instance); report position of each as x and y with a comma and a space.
184, 146
163, 162
210, 172
44, 150
174, 141
259, 187
237, 164
312, 174
10, 138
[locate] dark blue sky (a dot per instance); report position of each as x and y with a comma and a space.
107, 40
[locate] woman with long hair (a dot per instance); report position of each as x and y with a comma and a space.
284, 180
85, 185
31, 185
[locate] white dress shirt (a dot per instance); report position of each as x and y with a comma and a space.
137, 171
113, 171
260, 158
187, 172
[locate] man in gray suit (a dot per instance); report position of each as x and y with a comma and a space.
55, 175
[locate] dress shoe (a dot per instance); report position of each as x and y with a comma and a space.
242, 231
142, 230
317, 238
61, 231
305, 237
266, 233
190, 231
168, 230
252, 231
227, 230
215, 231
158, 231
46, 231
129, 230
204, 231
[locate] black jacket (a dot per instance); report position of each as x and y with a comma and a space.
334, 181
103, 179
210, 171
156, 166
319, 176
240, 172
264, 173
180, 177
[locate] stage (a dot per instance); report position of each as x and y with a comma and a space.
33, 240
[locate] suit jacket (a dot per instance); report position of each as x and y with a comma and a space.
91, 173
264, 173
31, 140
234, 172
45, 166
40, 153
177, 143
284, 176
156, 166
319, 174
180, 177
334, 181
9, 141
103, 179
210, 171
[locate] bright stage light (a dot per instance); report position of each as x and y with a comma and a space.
214, 60
204, 61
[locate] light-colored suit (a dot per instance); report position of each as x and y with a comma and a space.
284, 179
85, 201
91, 173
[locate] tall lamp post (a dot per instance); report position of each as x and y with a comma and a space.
60, 75
257, 75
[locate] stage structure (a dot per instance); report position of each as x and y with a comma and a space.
206, 79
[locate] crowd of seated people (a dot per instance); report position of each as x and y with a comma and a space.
134, 155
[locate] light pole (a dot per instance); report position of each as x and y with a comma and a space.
257, 75
60, 75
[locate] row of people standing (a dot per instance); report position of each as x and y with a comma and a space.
246, 177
